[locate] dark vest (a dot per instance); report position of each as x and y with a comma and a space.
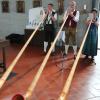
48, 26
70, 19
46, 20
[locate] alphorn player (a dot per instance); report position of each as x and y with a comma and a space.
91, 44
49, 27
71, 27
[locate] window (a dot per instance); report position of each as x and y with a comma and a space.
37, 3
20, 6
5, 6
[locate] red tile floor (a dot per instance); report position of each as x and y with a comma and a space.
85, 85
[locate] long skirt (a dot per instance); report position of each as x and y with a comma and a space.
90, 47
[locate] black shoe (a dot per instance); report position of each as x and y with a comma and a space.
53, 54
64, 54
92, 58
44, 53
86, 57
74, 57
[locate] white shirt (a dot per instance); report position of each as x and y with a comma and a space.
49, 17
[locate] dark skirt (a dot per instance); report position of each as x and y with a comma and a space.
91, 43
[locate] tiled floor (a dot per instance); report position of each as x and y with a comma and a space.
85, 86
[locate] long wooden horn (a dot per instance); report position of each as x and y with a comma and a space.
68, 82
38, 74
10, 68
36, 78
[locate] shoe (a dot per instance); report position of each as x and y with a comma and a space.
64, 54
86, 57
92, 58
44, 53
74, 57
53, 54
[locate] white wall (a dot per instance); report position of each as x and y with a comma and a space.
13, 22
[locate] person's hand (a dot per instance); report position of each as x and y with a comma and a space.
88, 22
52, 17
93, 21
71, 14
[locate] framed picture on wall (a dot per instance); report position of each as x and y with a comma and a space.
20, 6
37, 3
5, 6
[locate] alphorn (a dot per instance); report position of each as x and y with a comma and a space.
68, 82
10, 68
38, 74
